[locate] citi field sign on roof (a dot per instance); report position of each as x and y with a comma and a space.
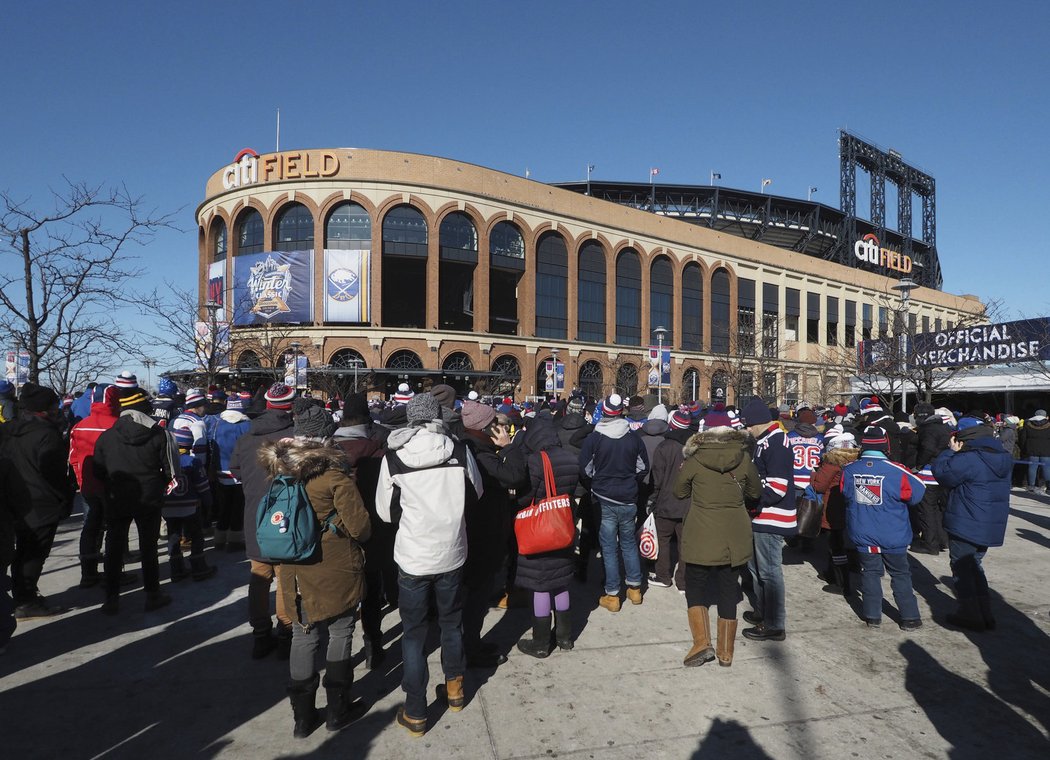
867, 249
249, 168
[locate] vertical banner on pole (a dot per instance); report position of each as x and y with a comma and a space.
217, 288
659, 367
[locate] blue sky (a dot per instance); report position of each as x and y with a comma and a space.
160, 96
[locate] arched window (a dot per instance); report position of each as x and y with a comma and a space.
552, 282
346, 358
590, 324
506, 240
629, 298
458, 362
661, 298
249, 232
404, 281
627, 380
692, 308
295, 228
690, 385
720, 312
405, 232
506, 266
248, 360
349, 228
458, 243
218, 231
592, 379
404, 359
509, 375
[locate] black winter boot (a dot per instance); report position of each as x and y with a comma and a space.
563, 629
302, 694
338, 678
202, 571
540, 643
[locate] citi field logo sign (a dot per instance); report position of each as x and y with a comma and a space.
243, 171
869, 250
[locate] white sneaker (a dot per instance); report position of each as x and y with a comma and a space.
653, 581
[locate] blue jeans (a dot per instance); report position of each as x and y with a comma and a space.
1033, 470
617, 527
413, 602
871, 571
767, 574
966, 559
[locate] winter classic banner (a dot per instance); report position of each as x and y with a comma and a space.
273, 286
346, 285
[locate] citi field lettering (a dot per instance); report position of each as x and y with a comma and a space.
868, 250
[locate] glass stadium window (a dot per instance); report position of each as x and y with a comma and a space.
295, 228
831, 328
627, 380
592, 379
590, 325
692, 308
770, 320
745, 385
866, 322
884, 322
769, 387
720, 311
404, 359
248, 360
690, 385
792, 314
506, 267
552, 282
813, 318
345, 358
937, 324
661, 298
850, 338
505, 240
925, 323
249, 232
745, 317
349, 228
458, 362
218, 229
404, 256
458, 243
629, 298
506, 382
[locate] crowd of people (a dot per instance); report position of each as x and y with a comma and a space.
416, 500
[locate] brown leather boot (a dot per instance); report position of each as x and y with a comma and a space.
454, 692
726, 641
700, 627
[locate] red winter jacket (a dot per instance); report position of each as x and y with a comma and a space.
84, 436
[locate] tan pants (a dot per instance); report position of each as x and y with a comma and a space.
262, 575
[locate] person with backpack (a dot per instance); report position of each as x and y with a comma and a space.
182, 512
325, 588
425, 482
273, 424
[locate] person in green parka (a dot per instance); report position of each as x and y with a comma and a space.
718, 475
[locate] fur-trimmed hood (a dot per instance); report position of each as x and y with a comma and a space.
302, 458
841, 457
719, 448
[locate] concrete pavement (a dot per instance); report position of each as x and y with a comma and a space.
179, 682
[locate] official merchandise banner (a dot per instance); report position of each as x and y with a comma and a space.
659, 367
1003, 343
273, 286
217, 288
346, 285
555, 381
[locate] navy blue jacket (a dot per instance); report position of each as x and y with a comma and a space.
877, 493
979, 500
776, 466
614, 458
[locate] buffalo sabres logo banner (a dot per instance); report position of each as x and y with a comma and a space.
274, 286
346, 285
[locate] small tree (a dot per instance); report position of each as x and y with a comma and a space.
69, 272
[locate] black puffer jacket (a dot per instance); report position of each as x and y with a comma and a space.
271, 425
1035, 438
132, 461
551, 571
933, 438
667, 461
33, 466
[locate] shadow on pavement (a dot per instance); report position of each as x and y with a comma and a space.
727, 740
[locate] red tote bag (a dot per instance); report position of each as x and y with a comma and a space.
545, 525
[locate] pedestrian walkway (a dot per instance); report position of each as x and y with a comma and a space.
180, 682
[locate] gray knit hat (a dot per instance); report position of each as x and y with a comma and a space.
423, 408
313, 422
